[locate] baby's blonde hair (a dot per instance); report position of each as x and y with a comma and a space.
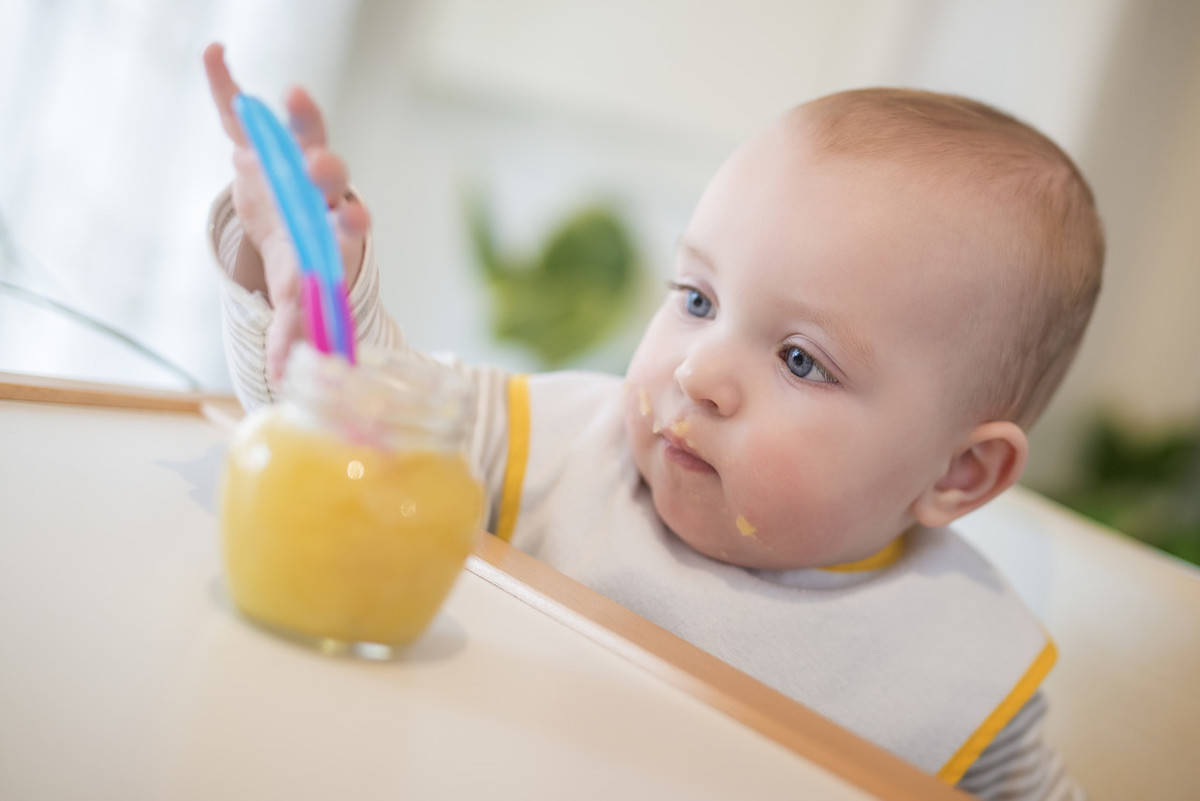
1056, 259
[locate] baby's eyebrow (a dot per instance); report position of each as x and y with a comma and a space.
858, 347
695, 253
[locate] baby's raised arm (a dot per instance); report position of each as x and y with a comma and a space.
260, 298
266, 260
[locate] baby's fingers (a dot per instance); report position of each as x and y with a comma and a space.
329, 173
352, 218
305, 118
223, 89
353, 221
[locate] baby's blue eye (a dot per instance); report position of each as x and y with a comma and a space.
803, 365
697, 304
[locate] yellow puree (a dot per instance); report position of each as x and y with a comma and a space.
745, 526
335, 540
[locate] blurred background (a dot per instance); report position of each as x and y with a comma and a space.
502, 145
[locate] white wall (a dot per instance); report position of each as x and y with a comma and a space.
109, 153
1141, 151
545, 102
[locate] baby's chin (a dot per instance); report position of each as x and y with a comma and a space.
730, 548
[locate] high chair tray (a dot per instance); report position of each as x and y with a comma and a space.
126, 674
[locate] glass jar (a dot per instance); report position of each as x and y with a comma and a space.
348, 508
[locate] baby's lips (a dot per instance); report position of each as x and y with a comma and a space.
684, 445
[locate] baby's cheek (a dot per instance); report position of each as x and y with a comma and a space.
637, 412
775, 500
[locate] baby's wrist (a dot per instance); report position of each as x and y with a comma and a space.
355, 260
247, 271
280, 271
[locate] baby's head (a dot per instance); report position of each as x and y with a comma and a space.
874, 300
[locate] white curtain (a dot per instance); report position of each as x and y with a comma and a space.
110, 152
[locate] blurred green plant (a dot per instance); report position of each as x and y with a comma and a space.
1147, 486
571, 295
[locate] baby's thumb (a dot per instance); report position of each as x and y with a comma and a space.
286, 329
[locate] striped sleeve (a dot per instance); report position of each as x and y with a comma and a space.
1018, 765
247, 314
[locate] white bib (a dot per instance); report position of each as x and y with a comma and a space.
928, 657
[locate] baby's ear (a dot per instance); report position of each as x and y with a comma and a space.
990, 461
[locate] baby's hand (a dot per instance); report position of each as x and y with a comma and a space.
263, 227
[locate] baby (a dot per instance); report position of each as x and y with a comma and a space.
873, 301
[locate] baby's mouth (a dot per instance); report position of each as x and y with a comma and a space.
681, 453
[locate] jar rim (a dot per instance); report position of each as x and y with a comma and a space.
391, 397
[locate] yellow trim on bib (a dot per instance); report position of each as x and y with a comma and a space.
518, 455
882, 558
966, 755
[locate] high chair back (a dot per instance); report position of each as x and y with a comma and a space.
1124, 701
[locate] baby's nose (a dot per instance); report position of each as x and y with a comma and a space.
709, 384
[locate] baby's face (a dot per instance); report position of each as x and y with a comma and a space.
791, 399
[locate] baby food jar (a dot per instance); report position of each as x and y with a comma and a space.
348, 509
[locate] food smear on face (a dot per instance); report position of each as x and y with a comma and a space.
643, 402
745, 526
679, 427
